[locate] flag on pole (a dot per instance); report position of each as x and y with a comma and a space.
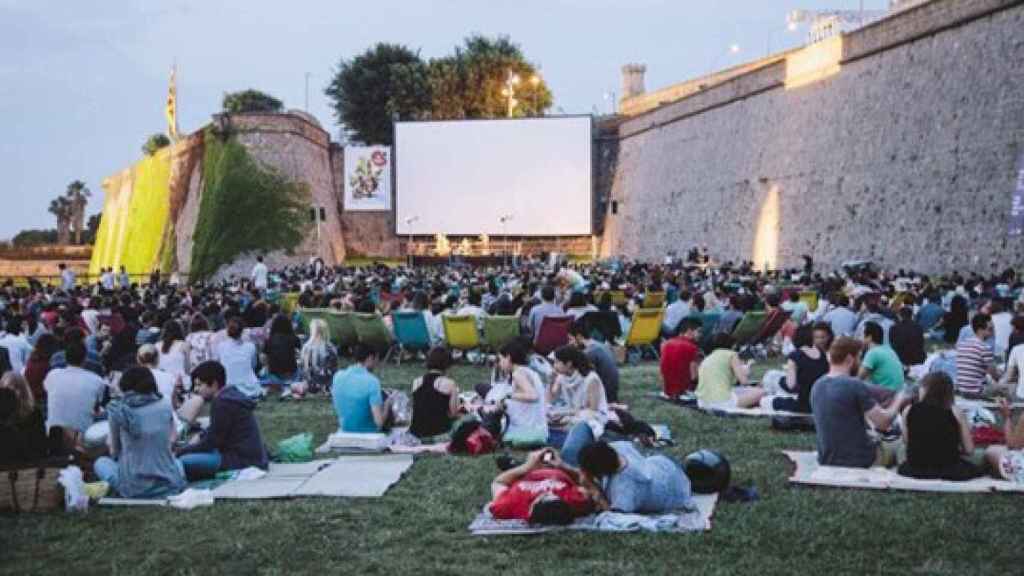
172, 107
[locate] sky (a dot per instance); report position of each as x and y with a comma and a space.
83, 84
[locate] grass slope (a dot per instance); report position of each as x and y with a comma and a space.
420, 525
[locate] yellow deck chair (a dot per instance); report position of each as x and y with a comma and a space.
654, 300
460, 332
810, 298
644, 330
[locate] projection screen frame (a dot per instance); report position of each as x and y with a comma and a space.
590, 170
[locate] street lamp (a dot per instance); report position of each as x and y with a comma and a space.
408, 222
504, 231
510, 91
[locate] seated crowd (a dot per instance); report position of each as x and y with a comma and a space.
148, 360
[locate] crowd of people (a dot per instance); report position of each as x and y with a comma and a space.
149, 359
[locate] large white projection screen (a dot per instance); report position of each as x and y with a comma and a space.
462, 177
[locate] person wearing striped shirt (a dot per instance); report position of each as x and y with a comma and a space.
974, 358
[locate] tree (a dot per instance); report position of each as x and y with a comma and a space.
61, 208
77, 196
92, 229
386, 80
34, 237
154, 143
250, 101
472, 82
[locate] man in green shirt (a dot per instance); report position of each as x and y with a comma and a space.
881, 364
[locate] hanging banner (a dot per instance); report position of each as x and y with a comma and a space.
367, 178
1017, 208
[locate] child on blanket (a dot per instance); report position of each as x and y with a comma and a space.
542, 490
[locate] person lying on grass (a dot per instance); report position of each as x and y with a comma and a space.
841, 403
632, 482
1008, 461
543, 490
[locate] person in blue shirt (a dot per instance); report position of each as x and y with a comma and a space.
632, 482
357, 396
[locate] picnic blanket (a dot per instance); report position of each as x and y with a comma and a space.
758, 412
344, 477
809, 472
362, 444
698, 520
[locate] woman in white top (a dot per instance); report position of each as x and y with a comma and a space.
199, 340
166, 383
239, 360
582, 404
525, 406
174, 352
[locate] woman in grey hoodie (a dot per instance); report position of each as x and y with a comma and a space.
141, 434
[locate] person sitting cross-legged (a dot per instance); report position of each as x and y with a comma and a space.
1007, 461
722, 379
578, 407
840, 403
142, 431
358, 399
881, 365
680, 357
233, 440
435, 397
937, 435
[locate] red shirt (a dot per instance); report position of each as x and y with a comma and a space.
676, 356
514, 503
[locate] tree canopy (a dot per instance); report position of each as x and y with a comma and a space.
250, 101
154, 143
391, 80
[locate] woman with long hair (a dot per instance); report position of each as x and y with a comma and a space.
199, 340
174, 357
22, 429
38, 365
318, 360
936, 434
435, 397
578, 402
239, 359
281, 353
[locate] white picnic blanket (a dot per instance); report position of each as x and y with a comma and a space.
809, 472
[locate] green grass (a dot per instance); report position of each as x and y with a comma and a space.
420, 525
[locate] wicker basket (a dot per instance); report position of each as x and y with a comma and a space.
33, 488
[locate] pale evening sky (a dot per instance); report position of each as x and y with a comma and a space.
82, 84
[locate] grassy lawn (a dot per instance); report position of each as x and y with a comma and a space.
420, 525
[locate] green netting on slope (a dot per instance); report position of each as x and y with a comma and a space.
245, 207
135, 214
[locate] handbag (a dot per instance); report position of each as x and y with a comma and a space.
32, 487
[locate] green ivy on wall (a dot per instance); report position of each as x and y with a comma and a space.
245, 207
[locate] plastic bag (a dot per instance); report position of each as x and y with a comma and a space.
75, 497
298, 448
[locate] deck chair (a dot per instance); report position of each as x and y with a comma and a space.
653, 300
372, 332
644, 330
461, 333
554, 332
603, 324
343, 331
498, 331
411, 332
307, 315
772, 324
708, 323
619, 297
748, 327
289, 302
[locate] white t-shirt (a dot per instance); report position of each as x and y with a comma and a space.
18, 349
259, 275
71, 396
165, 382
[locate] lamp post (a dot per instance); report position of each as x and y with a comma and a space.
509, 91
409, 222
504, 231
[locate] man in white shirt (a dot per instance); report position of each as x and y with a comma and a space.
260, 274
67, 278
72, 393
16, 344
107, 279
675, 312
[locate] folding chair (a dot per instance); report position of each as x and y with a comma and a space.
307, 315
343, 331
411, 332
289, 302
372, 332
498, 331
653, 300
603, 323
644, 330
460, 332
748, 327
554, 332
619, 297
772, 324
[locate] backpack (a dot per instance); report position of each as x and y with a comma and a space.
471, 438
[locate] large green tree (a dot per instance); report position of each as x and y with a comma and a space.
154, 143
473, 82
368, 90
250, 101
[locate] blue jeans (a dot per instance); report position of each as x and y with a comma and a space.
200, 465
107, 471
580, 436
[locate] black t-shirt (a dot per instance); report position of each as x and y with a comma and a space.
808, 370
934, 441
281, 351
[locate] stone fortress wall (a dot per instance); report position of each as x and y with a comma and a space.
898, 142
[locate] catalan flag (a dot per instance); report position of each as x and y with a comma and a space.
172, 107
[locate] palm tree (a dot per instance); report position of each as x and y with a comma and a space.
61, 208
78, 197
